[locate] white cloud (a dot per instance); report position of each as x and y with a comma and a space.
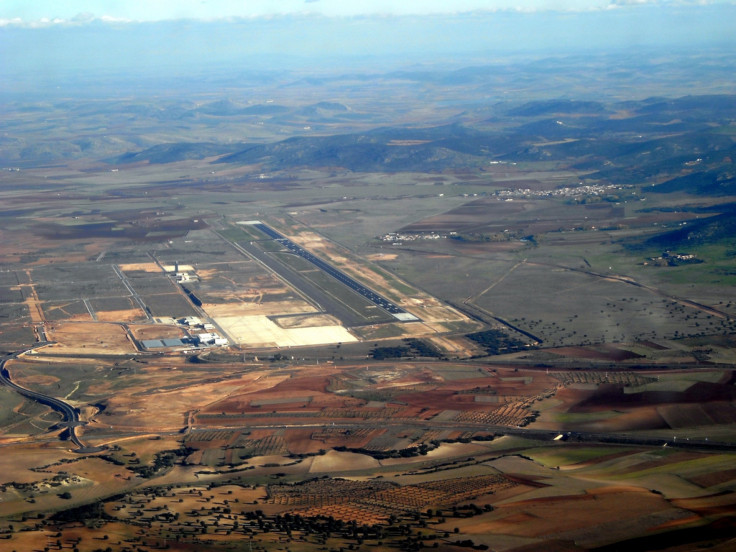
630, 3
77, 20
15, 21
46, 13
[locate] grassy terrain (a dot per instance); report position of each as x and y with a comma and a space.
579, 417
567, 456
9, 406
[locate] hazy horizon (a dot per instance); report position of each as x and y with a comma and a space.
58, 48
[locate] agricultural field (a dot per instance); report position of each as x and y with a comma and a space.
560, 375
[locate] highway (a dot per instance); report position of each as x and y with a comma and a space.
629, 439
70, 414
72, 421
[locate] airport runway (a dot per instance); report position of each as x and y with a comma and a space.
375, 298
317, 296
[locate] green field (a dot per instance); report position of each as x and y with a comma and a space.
570, 455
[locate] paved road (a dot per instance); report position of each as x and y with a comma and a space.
70, 414
133, 293
91, 311
314, 295
499, 431
339, 275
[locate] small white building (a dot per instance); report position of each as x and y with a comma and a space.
210, 338
191, 321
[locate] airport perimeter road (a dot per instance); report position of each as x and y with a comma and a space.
378, 300
323, 301
132, 291
70, 414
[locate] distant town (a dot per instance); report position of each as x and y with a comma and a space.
565, 191
397, 238
668, 258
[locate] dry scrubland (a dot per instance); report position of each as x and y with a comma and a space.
296, 438
567, 386
378, 453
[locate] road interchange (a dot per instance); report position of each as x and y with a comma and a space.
69, 413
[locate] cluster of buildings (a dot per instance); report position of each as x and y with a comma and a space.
673, 259
185, 277
202, 339
193, 322
565, 191
397, 238
181, 275
209, 339
201, 334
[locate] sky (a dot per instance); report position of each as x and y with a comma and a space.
39, 12
43, 41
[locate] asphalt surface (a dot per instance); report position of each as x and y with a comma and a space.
340, 276
321, 299
500, 431
70, 414
133, 293
71, 420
